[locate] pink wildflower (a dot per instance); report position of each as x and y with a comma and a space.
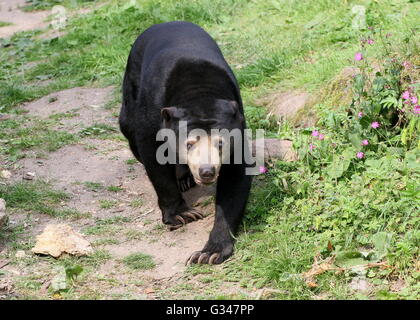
417, 109
375, 125
414, 100
360, 114
321, 136
406, 95
358, 56
315, 133
360, 155
263, 169
311, 147
407, 65
370, 41
365, 142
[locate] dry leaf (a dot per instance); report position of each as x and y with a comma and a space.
319, 267
149, 290
330, 246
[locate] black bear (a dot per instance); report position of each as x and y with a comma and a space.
176, 73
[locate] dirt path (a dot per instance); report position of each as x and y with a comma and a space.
19, 20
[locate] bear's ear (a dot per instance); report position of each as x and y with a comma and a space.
234, 106
168, 114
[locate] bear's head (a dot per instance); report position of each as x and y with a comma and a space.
207, 133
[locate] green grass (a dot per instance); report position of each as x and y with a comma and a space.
137, 203
4, 24
261, 40
35, 5
113, 220
139, 261
101, 229
133, 234
107, 204
114, 188
94, 260
37, 196
63, 115
131, 161
24, 133
105, 241
98, 130
93, 186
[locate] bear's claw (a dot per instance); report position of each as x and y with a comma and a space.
180, 219
184, 218
200, 257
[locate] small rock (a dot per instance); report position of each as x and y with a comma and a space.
6, 285
4, 117
6, 174
29, 175
3, 216
20, 254
61, 238
276, 149
359, 20
398, 285
360, 284
2, 205
285, 105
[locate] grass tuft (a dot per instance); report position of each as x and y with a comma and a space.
139, 261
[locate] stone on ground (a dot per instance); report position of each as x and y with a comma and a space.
3, 216
276, 149
285, 105
61, 238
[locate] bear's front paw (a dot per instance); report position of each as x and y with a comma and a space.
215, 255
180, 219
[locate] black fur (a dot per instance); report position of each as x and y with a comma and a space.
177, 64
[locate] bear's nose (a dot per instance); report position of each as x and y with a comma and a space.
207, 172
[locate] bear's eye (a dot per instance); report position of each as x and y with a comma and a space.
189, 145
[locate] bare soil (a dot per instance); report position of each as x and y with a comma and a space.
20, 21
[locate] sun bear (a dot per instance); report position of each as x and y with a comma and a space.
177, 78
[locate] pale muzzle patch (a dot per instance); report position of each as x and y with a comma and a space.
205, 157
